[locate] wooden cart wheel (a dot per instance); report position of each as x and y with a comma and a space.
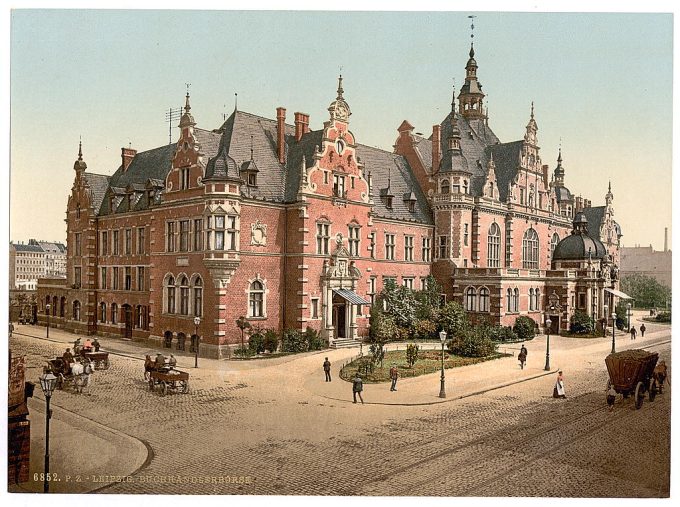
164, 388
184, 386
652, 391
150, 384
639, 394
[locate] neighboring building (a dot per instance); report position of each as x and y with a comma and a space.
37, 259
644, 260
294, 228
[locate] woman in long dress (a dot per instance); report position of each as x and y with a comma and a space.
558, 390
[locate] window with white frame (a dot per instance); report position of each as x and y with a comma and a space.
141, 274
184, 226
426, 249
553, 244
494, 246
102, 278
530, 249
445, 187
371, 288
465, 234
183, 295
314, 310
184, 178
128, 241
170, 294
198, 235
408, 248
515, 300
371, 245
443, 247
225, 232
256, 304
408, 283
115, 278
141, 240
198, 296
354, 235
323, 235
114, 313
116, 242
170, 236
390, 244
483, 299
339, 186
470, 299
508, 301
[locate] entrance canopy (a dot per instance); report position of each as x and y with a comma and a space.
618, 293
351, 296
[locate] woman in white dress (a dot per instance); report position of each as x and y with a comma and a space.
558, 390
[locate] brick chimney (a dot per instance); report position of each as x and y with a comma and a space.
305, 123
281, 134
127, 154
301, 125
436, 144
546, 173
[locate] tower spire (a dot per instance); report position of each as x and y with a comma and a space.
453, 97
80, 150
187, 120
340, 90
471, 97
80, 164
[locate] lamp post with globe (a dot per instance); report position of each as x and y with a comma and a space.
197, 322
442, 389
47, 382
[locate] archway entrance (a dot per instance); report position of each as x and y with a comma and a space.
339, 316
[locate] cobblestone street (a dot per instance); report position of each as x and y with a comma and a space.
275, 423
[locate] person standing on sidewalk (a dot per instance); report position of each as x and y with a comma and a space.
633, 333
522, 356
642, 330
558, 390
357, 387
394, 375
327, 369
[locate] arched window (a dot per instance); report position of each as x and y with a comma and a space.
198, 297
508, 301
530, 250
470, 296
531, 300
183, 296
76, 310
483, 299
445, 187
494, 246
553, 243
515, 301
256, 299
537, 300
102, 312
170, 294
114, 313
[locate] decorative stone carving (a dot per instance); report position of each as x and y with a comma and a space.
258, 234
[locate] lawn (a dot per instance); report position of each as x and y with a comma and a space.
429, 361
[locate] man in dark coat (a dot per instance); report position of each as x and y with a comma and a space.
642, 330
633, 333
327, 369
67, 358
357, 387
394, 375
160, 361
522, 356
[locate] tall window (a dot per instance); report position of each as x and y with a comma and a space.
225, 232
102, 278
128, 241
116, 277
77, 277
537, 300
140, 277
128, 278
494, 246
256, 299
515, 300
183, 296
322, 238
531, 300
116, 242
170, 294
314, 311
354, 232
114, 313
408, 248
508, 301
483, 299
105, 243
390, 243
77, 241
465, 234
553, 243
339, 186
76, 310
141, 243
198, 297
443, 247
470, 297
198, 235
530, 249
371, 246
184, 236
102, 312
445, 186
371, 289
170, 236
426, 249
184, 178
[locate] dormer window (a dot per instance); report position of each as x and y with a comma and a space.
412, 206
445, 186
252, 180
339, 186
388, 203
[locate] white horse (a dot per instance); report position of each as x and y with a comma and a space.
81, 375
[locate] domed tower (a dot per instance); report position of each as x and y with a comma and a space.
579, 245
471, 97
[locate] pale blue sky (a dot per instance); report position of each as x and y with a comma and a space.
600, 82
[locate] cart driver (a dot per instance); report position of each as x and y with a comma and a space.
67, 358
160, 361
87, 346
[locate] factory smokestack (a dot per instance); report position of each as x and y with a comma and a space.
665, 239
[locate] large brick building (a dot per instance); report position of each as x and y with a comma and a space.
295, 228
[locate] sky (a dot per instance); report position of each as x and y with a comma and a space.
601, 84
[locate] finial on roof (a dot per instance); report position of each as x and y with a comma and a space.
235, 102
340, 90
559, 156
472, 35
453, 96
532, 109
610, 186
80, 149
187, 106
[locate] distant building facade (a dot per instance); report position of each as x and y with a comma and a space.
34, 260
644, 260
294, 228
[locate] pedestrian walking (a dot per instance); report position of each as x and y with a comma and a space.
357, 387
394, 375
611, 397
642, 330
633, 333
11, 329
172, 362
558, 390
327, 369
522, 356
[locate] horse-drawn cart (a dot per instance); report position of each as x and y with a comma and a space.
169, 379
99, 359
632, 372
78, 374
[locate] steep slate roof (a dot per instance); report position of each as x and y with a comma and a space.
506, 157
595, 216
27, 248
98, 184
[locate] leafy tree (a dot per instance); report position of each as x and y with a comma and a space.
581, 323
400, 302
411, 354
424, 329
427, 300
452, 319
502, 334
646, 290
525, 328
621, 315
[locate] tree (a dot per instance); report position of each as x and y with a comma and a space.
581, 323
242, 324
427, 300
381, 331
400, 302
525, 328
646, 290
411, 354
452, 319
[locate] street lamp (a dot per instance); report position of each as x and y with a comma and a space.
47, 382
197, 322
47, 308
628, 307
442, 389
613, 332
548, 323
606, 319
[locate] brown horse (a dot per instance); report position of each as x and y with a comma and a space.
660, 374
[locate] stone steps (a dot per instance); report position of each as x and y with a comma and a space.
344, 343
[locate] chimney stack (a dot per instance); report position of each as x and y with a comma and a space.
665, 239
281, 134
436, 143
546, 175
127, 154
301, 125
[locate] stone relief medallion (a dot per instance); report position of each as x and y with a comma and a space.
258, 234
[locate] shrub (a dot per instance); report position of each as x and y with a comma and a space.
472, 343
452, 319
424, 329
314, 340
377, 351
294, 341
243, 352
525, 328
256, 342
581, 323
271, 340
663, 317
502, 334
411, 354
